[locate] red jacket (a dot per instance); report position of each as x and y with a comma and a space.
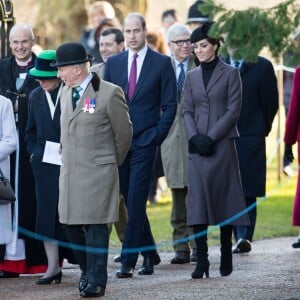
292, 129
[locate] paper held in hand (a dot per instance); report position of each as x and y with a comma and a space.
51, 153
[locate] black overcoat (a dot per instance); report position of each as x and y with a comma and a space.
41, 128
259, 107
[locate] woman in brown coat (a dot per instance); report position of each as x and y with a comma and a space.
212, 101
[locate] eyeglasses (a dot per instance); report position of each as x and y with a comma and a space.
181, 42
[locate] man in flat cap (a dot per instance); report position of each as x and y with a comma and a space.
95, 136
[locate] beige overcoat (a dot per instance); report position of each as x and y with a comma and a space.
174, 149
98, 69
93, 145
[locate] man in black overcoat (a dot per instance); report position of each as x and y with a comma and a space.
259, 107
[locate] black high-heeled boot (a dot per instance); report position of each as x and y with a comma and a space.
202, 266
226, 251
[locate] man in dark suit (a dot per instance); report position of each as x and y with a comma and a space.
259, 107
149, 83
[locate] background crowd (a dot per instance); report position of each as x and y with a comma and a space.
169, 105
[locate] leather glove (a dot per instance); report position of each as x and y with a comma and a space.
202, 144
288, 153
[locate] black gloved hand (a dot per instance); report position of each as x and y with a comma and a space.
202, 144
288, 153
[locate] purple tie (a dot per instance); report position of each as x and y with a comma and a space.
132, 77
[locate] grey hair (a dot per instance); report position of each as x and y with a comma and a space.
21, 26
177, 29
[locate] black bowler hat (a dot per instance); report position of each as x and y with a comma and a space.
71, 54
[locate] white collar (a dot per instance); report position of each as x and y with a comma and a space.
141, 53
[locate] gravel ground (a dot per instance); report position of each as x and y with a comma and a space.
270, 271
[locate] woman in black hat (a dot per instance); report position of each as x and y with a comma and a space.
212, 101
44, 126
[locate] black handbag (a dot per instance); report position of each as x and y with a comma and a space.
7, 194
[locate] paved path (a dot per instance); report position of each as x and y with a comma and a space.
270, 271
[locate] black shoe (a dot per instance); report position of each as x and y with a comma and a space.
83, 282
193, 257
181, 257
242, 246
4, 274
125, 272
92, 290
296, 244
117, 259
156, 259
48, 280
147, 267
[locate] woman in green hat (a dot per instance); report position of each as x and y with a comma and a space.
43, 126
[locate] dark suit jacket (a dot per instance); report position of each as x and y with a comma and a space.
152, 108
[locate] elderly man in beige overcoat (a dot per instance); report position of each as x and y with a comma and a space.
111, 42
95, 136
174, 149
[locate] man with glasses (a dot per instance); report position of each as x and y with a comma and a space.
174, 148
149, 83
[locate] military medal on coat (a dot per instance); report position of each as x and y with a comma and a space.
89, 105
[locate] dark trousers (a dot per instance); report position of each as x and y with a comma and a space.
247, 231
135, 176
157, 172
90, 247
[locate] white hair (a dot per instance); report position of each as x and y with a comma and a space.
21, 26
177, 29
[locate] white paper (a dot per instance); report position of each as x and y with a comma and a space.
51, 153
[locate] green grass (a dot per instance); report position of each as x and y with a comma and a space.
273, 211
273, 215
